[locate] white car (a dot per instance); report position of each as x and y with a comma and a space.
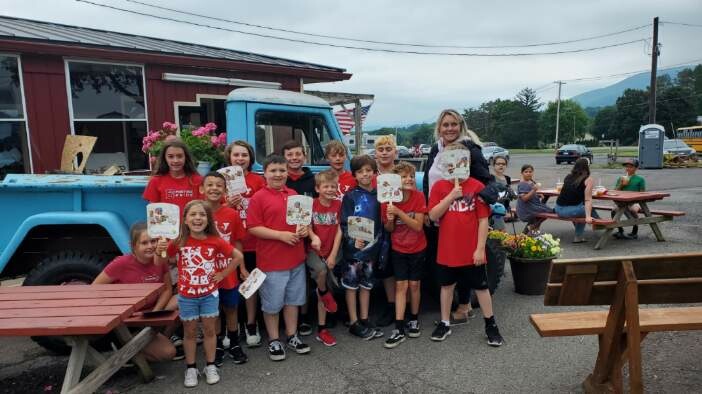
491, 152
425, 149
677, 148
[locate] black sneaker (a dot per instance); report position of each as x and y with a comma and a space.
180, 353
413, 329
377, 332
386, 318
219, 357
296, 344
276, 351
493, 335
440, 332
304, 329
237, 354
396, 338
176, 340
361, 331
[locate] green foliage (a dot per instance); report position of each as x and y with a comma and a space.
573, 123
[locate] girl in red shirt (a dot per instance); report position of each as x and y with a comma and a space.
240, 153
174, 179
196, 250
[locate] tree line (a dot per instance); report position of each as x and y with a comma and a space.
525, 122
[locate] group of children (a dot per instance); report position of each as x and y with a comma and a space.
223, 238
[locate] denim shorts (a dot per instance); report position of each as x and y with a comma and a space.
357, 274
229, 298
283, 288
197, 307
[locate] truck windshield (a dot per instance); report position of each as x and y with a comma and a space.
275, 128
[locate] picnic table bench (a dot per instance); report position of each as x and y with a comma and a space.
624, 283
80, 313
624, 200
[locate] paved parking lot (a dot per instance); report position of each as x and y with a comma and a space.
463, 363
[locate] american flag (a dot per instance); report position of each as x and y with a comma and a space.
345, 118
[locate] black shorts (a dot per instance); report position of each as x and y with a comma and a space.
407, 266
250, 261
384, 271
470, 276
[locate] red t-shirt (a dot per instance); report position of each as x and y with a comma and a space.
325, 222
231, 230
267, 208
254, 183
197, 264
127, 269
346, 183
458, 228
404, 239
178, 191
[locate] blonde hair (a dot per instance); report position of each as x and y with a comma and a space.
385, 140
334, 146
403, 167
465, 133
326, 176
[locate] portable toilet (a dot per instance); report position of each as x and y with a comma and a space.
651, 138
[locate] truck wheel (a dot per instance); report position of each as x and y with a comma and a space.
495, 268
66, 268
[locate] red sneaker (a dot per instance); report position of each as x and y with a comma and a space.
328, 301
326, 337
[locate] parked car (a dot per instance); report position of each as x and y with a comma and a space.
425, 149
488, 143
491, 152
572, 152
403, 152
677, 148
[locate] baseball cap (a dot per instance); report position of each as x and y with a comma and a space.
633, 162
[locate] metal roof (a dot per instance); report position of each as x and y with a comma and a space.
276, 97
27, 29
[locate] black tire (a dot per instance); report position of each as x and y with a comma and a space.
495, 268
558, 162
66, 268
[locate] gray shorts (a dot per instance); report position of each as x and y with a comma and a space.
283, 288
316, 265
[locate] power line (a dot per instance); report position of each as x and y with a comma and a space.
362, 48
681, 24
238, 22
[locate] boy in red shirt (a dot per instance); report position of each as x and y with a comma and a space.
463, 228
280, 253
405, 222
230, 229
326, 214
335, 153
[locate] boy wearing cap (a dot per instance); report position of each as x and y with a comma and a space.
634, 183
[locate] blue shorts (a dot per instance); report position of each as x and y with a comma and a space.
197, 307
357, 274
229, 298
283, 288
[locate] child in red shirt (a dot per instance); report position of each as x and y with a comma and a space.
196, 251
174, 179
335, 153
280, 253
405, 222
326, 212
240, 153
463, 228
230, 229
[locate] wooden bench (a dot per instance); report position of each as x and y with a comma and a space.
595, 222
624, 283
661, 212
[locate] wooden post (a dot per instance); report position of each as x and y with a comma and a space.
633, 331
79, 348
124, 337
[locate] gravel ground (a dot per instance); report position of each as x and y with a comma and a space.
463, 363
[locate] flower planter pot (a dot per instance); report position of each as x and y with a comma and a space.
203, 167
530, 275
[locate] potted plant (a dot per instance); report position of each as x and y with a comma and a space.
205, 145
530, 259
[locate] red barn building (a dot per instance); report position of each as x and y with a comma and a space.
58, 79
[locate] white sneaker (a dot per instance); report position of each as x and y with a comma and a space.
211, 374
191, 375
253, 338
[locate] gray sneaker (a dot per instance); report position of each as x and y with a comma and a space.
296, 344
413, 329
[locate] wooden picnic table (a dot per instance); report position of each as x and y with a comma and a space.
80, 313
623, 201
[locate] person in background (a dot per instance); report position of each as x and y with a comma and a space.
174, 178
575, 198
335, 153
499, 165
529, 201
632, 182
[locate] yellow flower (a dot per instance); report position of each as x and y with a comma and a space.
533, 248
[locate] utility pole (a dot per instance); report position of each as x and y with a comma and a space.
654, 69
359, 128
558, 111
574, 139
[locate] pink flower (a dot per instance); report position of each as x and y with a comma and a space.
168, 126
200, 132
211, 127
222, 137
214, 140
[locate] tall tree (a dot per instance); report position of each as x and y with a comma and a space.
573, 123
528, 98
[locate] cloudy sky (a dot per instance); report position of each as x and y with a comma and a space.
414, 88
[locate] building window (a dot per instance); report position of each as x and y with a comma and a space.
108, 102
274, 129
14, 146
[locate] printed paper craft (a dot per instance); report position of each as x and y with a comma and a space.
389, 188
252, 283
361, 228
299, 210
455, 164
163, 220
236, 182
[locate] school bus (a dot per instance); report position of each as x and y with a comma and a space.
692, 136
